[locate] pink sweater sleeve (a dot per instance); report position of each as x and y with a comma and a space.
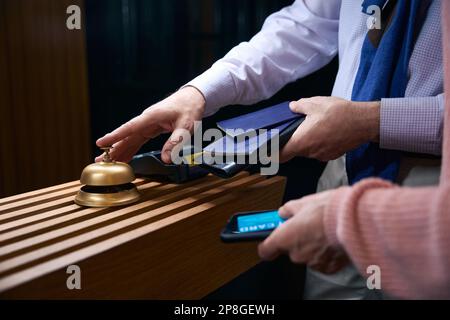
404, 231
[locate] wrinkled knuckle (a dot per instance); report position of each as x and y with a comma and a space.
130, 125
151, 109
187, 124
295, 257
328, 110
289, 206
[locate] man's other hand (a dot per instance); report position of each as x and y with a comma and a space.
332, 127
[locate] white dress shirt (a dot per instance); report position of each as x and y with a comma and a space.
304, 37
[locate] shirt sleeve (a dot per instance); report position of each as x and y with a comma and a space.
412, 124
293, 42
403, 231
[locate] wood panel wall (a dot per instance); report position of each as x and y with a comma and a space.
44, 113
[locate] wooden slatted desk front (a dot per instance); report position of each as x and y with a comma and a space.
166, 246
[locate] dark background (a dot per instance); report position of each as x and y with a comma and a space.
140, 51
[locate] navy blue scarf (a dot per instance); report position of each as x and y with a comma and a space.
383, 73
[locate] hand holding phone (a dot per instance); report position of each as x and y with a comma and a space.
251, 226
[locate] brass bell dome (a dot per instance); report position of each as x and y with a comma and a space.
107, 183
107, 174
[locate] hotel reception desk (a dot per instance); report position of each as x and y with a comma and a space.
165, 246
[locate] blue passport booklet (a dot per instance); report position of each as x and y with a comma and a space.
234, 145
278, 117
229, 169
266, 118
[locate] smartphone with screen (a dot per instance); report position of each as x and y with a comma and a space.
251, 226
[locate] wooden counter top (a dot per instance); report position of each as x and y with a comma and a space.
166, 246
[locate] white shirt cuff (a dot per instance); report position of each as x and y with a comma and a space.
217, 87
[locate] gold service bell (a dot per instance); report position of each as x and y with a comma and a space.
107, 183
